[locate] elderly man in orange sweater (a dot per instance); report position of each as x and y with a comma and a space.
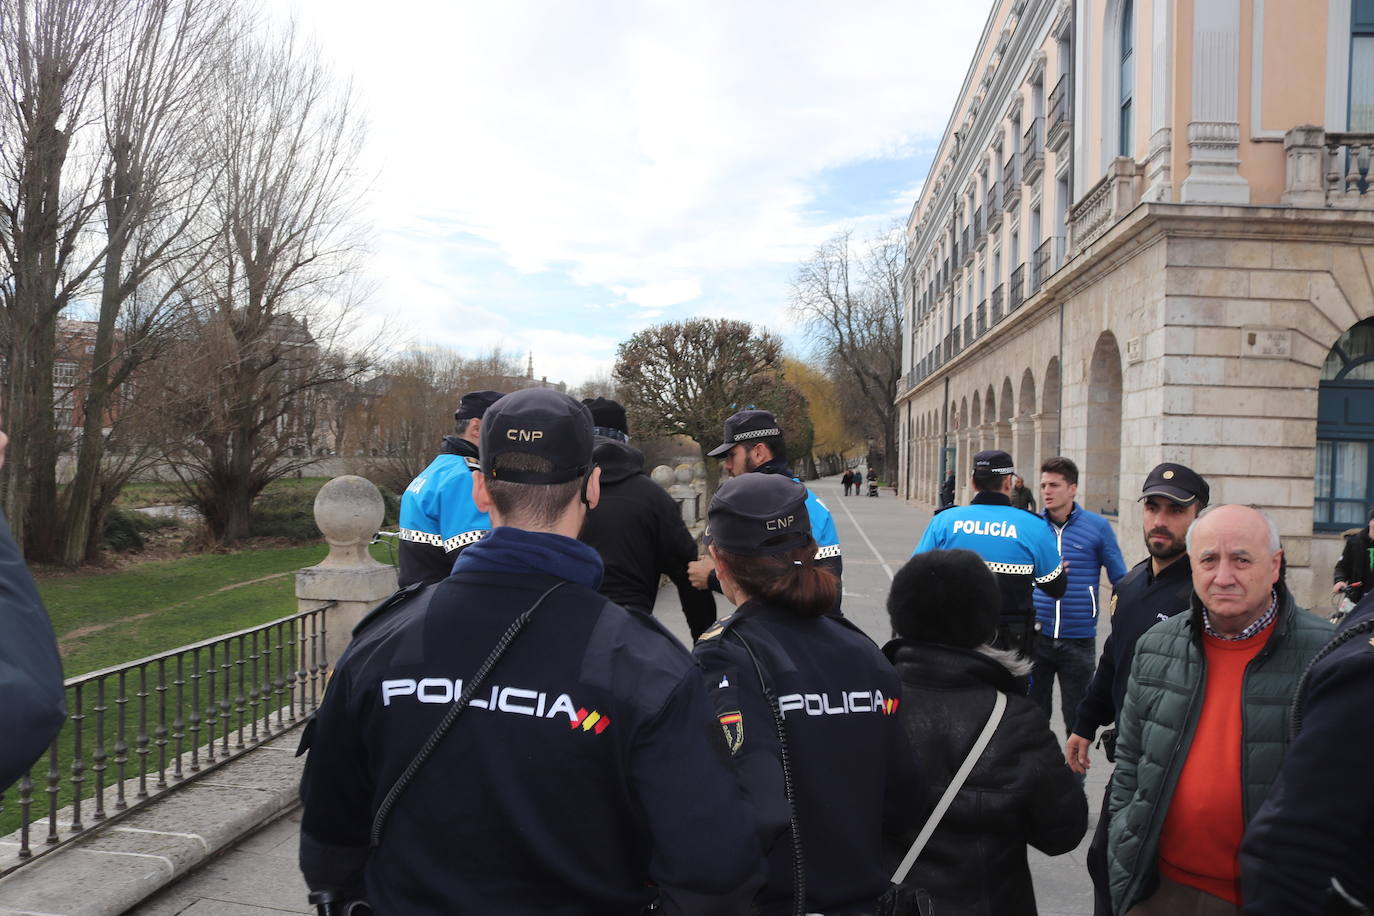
1203, 729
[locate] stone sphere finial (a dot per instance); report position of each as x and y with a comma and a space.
683, 473
662, 475
349, 510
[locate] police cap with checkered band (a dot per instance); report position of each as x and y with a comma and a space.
746, 427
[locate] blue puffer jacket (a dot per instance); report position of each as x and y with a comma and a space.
1087, 543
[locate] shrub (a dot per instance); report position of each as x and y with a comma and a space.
124, 529
287, 513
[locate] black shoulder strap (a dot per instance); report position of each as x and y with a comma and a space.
798, 861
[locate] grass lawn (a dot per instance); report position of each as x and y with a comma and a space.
107, 618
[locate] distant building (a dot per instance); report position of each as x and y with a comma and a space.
1148, 235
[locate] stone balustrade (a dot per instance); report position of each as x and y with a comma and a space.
1327, 169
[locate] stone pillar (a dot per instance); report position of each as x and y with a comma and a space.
1305, 153
1003, 433
1214, 130
348, 510
681, 489
1023, 434
1047, 434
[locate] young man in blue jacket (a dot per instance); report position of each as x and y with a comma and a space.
1067, 646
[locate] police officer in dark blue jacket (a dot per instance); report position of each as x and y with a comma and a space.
1155, 589
807, 703
587, 774
1317, 823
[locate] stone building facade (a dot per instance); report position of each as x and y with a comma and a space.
1148, 235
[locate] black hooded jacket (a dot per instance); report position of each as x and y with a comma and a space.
638, 530
1020, 791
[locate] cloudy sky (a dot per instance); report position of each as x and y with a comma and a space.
555, 176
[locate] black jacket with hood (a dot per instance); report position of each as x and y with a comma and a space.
1019, 792
638, 530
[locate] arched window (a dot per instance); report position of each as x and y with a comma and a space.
1345, 431
1126, 84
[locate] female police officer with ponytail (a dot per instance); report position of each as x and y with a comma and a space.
807, 704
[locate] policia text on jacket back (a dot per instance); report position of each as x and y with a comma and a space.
588, 775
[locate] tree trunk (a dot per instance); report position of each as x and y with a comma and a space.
81, 536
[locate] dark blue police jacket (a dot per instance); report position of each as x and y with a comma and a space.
848, 754
588, 765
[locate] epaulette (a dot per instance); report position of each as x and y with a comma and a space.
396, 599
474, 464
717, 628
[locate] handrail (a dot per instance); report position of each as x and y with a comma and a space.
249, 686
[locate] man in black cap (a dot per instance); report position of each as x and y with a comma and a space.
1155, 589
509, 741
1019, 549
637, 527
754, 444
438, 517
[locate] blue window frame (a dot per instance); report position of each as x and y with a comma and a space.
1345, 432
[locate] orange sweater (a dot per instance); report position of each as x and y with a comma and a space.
1206, 818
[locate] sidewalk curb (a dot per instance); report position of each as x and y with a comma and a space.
115, 869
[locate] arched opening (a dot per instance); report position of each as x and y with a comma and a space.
1049, 412
1345, 432
1102, 466
1025, 431
1004, 413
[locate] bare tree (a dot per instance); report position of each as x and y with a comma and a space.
50, 59
685, 378
275, 291
158, 170
852, 306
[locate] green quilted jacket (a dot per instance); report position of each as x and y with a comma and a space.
1156, 725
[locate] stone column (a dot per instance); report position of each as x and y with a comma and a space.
1023, 434
348, 510
1003, 432
1047, 434
1214, 131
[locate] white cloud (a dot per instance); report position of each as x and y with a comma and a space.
647, 148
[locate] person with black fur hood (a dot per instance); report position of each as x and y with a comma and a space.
944, 606
637, 527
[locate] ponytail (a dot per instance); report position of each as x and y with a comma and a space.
790, 581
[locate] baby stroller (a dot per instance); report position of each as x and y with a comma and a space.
873, 487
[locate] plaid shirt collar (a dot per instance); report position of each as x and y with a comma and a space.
1256, 627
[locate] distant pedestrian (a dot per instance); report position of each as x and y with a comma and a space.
1355, 568
438, 517
1021, 496
947, 490
872, 482
944, 607
637, 527
847, 480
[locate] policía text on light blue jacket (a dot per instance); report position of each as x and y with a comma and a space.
1087, 543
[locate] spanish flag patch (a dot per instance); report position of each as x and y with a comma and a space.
732, 723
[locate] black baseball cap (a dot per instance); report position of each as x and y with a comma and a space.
608, 418
542, 422
747, 426
1177, 482
475, 403
758, 515
992, 462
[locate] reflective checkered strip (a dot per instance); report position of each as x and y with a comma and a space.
421, 537
1011, 569
830, 550
1041, 580
757, 434
463, 540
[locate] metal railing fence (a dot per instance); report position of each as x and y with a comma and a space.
186, 711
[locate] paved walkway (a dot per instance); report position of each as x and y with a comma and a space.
259, 877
